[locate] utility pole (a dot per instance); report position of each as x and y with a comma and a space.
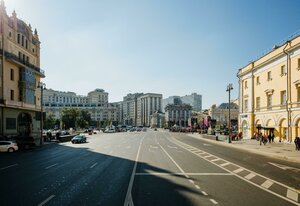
229, 88
42, 86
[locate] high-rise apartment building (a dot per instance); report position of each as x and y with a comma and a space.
129, 109
20, 74
195, 100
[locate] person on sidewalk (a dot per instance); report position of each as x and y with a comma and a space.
265, 139
297, 143
272, 137
269, 138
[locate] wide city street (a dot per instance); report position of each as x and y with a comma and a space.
145, 168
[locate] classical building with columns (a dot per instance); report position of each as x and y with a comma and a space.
178, 114
147, 105
269, 93
20, 74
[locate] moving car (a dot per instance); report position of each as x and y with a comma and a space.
78, 139
8, 146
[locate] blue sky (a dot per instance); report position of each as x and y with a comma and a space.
162, 46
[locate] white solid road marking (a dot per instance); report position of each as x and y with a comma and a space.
197, 186
250, 176
238, 170
213, 201
284, 167
46, 200
292, 195
184, 174
225, 164
93, 165
3, 168
267, 184
128, 199
172, 147
154, 147
51, 166
206, 144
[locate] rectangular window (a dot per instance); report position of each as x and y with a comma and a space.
298, 94
18, 39
12, 95
257, 80
246, 85
26, 44
283, 70
283, 97
257, 102
12, 76
269, 101
22, 40
246, 105
11, 123
27, 59
298, 64
269, 76
20, 55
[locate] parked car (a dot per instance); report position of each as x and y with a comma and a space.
25, 142
78, 139
8, 146
110, 130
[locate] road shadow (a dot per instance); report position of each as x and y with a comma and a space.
70, 176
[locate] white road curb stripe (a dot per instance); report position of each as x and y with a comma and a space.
46, 200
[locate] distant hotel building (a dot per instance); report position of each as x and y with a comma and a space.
194, 99
96, 103
269, 93
178, 114
20, 74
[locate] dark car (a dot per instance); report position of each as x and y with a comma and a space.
78, 139
25, 142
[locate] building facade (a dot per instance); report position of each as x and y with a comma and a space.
147, 105
129, 109
194, 99
221, 113
178, 114
20, 95
96, 103
269, 93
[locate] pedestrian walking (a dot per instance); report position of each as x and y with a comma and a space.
265, 139
272, 137
269, 138
297, 143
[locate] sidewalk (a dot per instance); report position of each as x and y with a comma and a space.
279, 150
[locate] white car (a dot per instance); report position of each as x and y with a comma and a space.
8, 146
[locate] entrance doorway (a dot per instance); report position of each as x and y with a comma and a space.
24, 124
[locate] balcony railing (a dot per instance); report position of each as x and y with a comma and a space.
13, 57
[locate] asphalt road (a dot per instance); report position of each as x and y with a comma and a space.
144, 168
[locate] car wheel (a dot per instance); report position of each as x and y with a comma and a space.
11, 149
73, 142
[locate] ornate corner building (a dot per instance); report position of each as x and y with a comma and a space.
269, 93
20, 74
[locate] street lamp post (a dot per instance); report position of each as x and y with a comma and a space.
229, 88
42, 86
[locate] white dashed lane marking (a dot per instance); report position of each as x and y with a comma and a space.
291, 195
3, 168
93, 165
51, 166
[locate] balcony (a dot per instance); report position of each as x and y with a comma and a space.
14, 58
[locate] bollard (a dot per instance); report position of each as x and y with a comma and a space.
217, 138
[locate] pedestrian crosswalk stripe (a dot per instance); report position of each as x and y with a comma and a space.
238, 170
292, 195
225, 164
250, 176
267, 184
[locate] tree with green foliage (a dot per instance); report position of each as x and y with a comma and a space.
49, 121
84, 119
69, 117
